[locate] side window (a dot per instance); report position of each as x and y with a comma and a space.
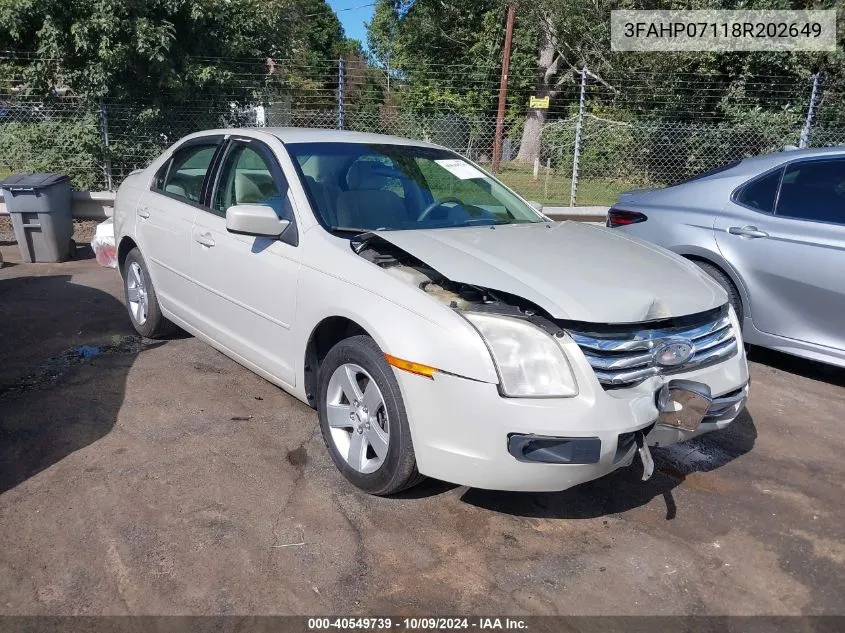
188, 171
814, 190
760, 194
247, 178
161, 174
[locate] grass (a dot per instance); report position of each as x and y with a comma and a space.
555, 192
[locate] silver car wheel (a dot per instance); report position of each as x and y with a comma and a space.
136, 293
357, 418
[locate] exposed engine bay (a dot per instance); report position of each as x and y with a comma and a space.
459, 296
621, 354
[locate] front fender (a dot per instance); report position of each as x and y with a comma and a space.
421, 330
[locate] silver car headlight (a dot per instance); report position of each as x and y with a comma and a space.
529, 361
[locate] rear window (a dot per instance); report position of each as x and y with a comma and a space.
760, 194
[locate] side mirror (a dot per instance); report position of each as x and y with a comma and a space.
254, 219
536, 206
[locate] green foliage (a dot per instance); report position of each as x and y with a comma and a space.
164, 51
42, 145
446, 56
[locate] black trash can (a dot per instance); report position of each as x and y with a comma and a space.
39, 205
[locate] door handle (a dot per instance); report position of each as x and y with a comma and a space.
143, 212
747, 231
205, 239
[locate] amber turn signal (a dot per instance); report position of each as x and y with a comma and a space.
414, 368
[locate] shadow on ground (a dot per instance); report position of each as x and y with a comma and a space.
623, 489
66, 351
794, 365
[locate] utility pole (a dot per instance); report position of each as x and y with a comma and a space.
503, 89
805, 131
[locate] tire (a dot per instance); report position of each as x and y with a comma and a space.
723, 280
358, 359
147, 321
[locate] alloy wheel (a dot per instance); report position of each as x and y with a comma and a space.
357, 418
136, 293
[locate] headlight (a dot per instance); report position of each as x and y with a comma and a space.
529, 361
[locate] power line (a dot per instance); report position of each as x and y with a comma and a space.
360, 6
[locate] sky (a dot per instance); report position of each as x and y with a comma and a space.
353, 15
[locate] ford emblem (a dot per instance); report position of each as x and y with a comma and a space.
672, 352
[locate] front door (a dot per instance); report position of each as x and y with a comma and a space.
165, 217
792, 258
247, 285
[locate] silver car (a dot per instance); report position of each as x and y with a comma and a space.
771, 231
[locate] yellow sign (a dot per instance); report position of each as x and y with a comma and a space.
537, 102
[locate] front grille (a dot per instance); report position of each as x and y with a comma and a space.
623, 355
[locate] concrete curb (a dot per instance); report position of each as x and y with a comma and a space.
580, 214
84, 205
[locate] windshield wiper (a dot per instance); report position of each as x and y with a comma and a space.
490, 221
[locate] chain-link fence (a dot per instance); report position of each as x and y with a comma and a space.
98, 144
619, 155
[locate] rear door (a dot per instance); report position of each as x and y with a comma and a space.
246, 285
785, 235
165, 215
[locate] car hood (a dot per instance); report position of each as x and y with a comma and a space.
572, 270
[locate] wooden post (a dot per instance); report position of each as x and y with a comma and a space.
503, 90
548, 175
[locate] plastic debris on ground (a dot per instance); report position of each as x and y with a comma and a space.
103, 244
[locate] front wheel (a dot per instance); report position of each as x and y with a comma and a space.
363, 420
723, 280
141, 298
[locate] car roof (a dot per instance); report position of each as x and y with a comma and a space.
313, 135
317, 135
757, 164
728, 177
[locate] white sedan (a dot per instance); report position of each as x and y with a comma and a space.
440, 324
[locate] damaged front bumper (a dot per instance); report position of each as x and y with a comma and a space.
465, 432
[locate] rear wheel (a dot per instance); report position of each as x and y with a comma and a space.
723, 280
363, 420
141, 299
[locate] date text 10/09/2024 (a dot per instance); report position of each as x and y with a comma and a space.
421, 624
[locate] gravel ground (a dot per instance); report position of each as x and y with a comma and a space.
83, 230
160, 477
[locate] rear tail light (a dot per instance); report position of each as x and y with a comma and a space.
618, 217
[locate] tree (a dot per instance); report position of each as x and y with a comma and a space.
573, 35
164, 50
446, 56
569, 37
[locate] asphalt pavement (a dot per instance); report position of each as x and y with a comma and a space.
150, 477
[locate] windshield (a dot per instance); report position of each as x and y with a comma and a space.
367, 187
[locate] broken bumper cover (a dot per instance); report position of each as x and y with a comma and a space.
465, 432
